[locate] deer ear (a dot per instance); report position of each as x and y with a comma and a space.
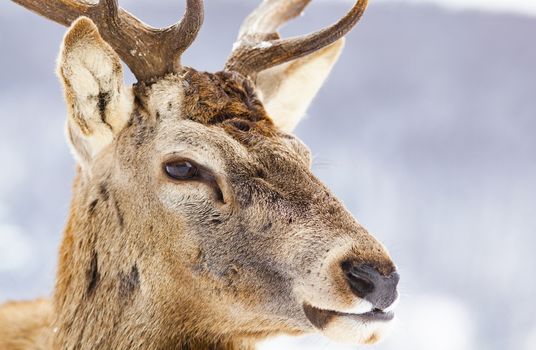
287, 90
98, 104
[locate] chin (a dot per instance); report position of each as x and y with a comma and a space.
348, 328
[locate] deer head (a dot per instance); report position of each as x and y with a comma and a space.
195, 216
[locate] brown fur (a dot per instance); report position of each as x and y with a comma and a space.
25, 325
151, 263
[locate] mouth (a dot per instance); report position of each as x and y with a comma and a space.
351, 328
321, 318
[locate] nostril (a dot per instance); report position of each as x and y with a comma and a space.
359, 279
367, 283
361, 286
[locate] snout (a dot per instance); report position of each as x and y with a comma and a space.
351, 297
367, 283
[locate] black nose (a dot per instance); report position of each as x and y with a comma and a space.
367, 283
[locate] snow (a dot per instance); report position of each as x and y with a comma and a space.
264, 45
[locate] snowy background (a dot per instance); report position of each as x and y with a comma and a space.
432, 146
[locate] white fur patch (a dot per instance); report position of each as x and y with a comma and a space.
166, 97
351, 331
361, 306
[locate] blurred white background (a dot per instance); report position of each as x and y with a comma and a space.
426, 130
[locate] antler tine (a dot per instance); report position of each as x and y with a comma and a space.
185, 32
260, 48
270, 16
149, 52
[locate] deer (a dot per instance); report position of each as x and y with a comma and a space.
196, 221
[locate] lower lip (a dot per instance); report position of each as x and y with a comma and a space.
318, 316
374, 315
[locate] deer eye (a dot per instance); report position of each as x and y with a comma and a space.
181, 170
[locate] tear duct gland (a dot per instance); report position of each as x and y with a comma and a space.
248, 245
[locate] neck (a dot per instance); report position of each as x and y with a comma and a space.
98, 299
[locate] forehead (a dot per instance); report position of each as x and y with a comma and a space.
219, 115
209, 99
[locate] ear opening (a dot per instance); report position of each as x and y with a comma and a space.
287, 90
98, 104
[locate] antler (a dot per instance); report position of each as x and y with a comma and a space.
148, 52
259, 46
